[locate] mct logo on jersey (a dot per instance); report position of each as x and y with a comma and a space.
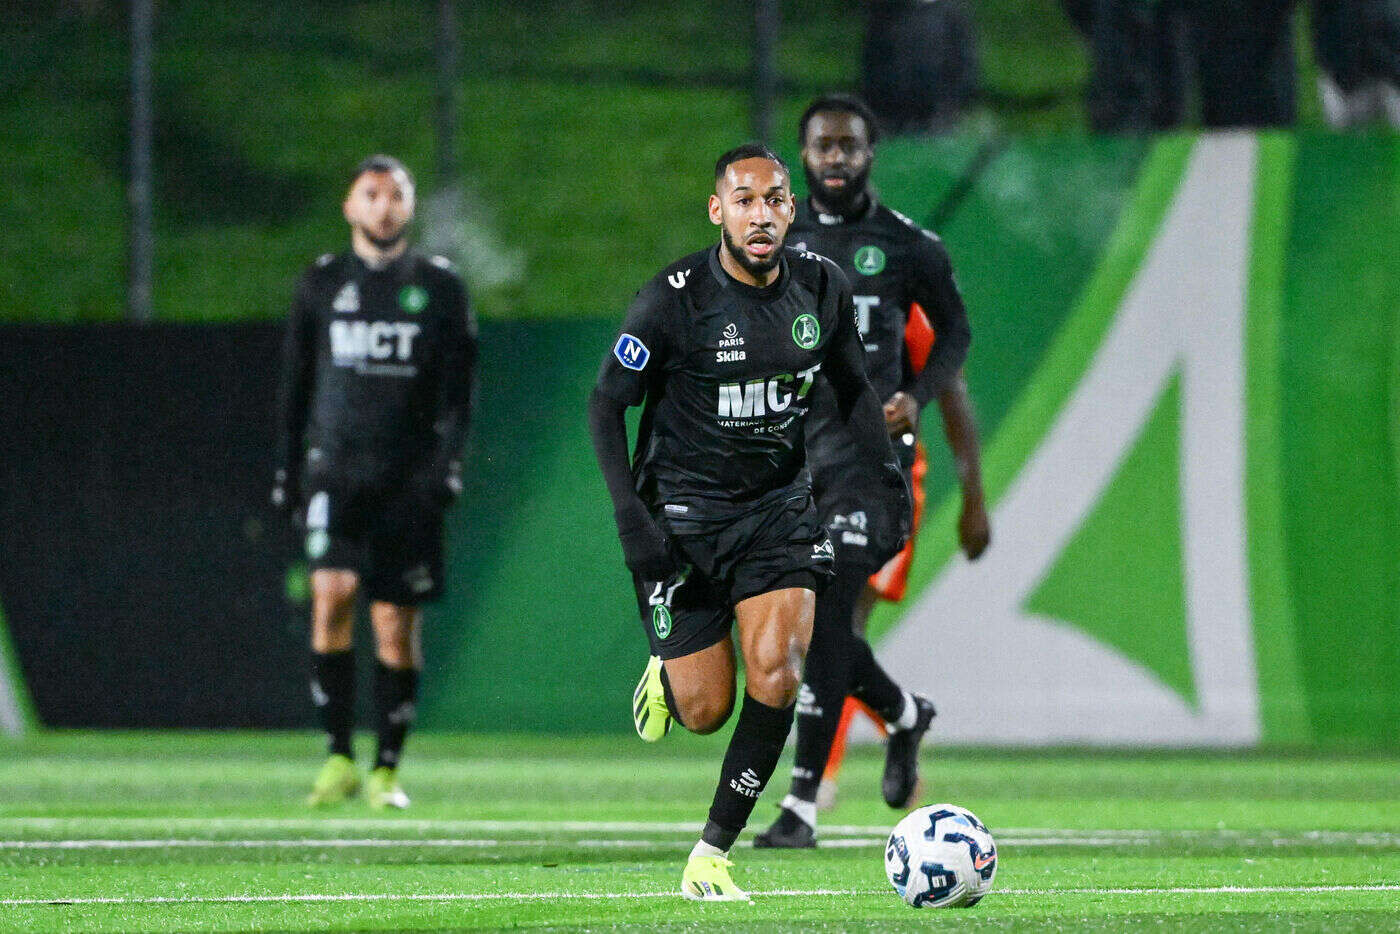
352, 341
631, 352
758, 397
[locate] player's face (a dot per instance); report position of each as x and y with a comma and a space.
380, 205
836, 156
753, 207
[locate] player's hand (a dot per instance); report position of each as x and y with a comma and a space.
974, 529
893, 479
902, 414
644, 545
436, 489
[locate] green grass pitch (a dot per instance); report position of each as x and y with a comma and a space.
147, 831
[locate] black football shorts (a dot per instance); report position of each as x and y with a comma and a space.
780, 543
392, 540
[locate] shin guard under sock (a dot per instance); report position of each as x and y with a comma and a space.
749, 762
333, 692
395, 702
826, 679
870, 684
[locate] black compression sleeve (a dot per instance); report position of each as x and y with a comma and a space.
938, 295
298, 362
456, 384
607, 424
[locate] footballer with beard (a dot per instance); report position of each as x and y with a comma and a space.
376, 393
916, 336
723, 349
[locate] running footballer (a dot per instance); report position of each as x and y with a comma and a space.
723, 349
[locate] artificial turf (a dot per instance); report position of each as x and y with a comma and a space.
147, 831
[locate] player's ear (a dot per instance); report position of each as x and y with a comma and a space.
716, 217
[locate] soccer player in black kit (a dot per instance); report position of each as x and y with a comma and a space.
376, 394
897, 270
723, 349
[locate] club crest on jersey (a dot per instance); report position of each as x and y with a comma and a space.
870, 260
413, 298
631, 352
806, 331
347, 300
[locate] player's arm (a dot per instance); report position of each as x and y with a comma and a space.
441, 477
629, 370
293, 396
857, 403
936, 292
960, 428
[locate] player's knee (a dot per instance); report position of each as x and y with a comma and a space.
395, 648
705, 712
776, 686
774, 673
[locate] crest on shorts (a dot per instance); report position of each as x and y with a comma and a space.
317, 543
806, 331
661, 621
870, 260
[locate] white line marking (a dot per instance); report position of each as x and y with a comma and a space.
834, 843
1026, 835
606, 896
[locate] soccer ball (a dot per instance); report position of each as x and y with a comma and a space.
941, 856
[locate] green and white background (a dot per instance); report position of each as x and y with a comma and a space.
1195, 483
1186, 365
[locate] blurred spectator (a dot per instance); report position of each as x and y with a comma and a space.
1245, 62
1357, 43
1139, 50
1146, 51
919, 64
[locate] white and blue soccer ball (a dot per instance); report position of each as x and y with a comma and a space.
941, 856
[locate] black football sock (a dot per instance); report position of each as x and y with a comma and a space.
333, 691
825, 682
871, 685
395, 702
748, 764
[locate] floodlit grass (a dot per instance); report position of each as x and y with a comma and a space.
148, 831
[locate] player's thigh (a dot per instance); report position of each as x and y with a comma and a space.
775, 629
398, 634
702, 685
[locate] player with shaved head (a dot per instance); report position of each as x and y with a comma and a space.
714, 510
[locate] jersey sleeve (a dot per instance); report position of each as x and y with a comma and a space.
642, 346
456, 378
845, 371
934, 289
294, 386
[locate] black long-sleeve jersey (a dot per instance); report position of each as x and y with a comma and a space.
892, 264
727, 372
377, 370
